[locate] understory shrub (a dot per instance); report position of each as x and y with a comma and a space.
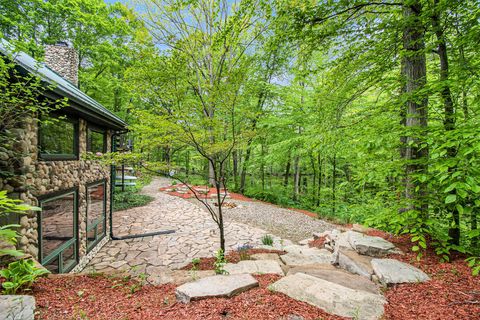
20, 275
127, 199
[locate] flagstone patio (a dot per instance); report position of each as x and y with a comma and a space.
196, 235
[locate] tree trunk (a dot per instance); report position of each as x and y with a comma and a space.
235, 168
262, 165
319, 187
334, 184
449, 114
243, 175
287, 173
296, 177
416, 106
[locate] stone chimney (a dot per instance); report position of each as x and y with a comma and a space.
63, 60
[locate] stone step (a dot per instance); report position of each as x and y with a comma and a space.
17, 307
332, 274
391, 271
331, 297
301, 255
353, 262
265, 256
370, 246
219, 286
254, 267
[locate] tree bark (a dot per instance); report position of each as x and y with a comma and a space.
296, 177
287, 172
416, 106
449, 113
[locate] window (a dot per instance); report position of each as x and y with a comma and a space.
58, 232
96, 214
58, 139
96, 140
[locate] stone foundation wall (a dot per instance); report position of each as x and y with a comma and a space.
33, 177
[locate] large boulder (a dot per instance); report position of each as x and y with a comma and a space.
254, 267
331, 297
391, 271
370, 246
338, 276
16, 307
306, 256
265, 256
353, 262
215, 286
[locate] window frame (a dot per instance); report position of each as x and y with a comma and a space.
60, 157
57, 253
96, 129
97, 238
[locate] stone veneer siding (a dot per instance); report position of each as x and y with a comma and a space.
34, 177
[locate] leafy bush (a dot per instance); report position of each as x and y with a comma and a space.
20, 274
8, 234
267, 240
243, 251
123, 200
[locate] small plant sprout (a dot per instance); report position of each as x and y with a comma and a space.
243, 251
267, 240
195, 264
220, 262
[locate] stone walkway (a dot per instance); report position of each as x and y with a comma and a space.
196, 235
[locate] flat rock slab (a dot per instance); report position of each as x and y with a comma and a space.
265, 256
353, 262
180, 277
313, 256
338, 276
254, 267
215, 287
17, 307
370, 246
331, 297
391, 271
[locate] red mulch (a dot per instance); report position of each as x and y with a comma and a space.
318, 243
102, 298
207, 263
453, 292
211, 191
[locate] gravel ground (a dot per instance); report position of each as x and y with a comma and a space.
282, 222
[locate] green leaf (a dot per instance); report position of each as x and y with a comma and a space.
450, 198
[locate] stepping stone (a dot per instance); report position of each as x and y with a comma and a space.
265, 256
17, 307
331, 297
370, 246
353, 262
307, 256
338, 276
391, 271
215, 286
254, 267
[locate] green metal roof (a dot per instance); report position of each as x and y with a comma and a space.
82, 103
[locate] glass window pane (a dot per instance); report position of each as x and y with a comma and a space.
96, 213
57, 219
57, 137
96, 141
52, 266
69, 257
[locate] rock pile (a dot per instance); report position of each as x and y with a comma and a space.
343, 278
